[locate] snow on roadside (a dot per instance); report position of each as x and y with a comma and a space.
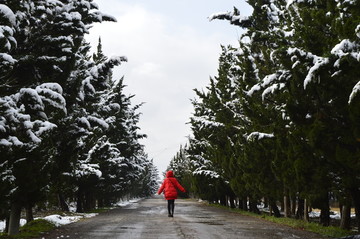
56, 219
313, 214
63, 220
2, 224
123, 203
333, 215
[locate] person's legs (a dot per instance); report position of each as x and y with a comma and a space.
171, 206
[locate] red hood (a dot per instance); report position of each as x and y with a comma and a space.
170, 174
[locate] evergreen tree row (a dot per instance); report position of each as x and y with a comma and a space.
280, 122
68, 133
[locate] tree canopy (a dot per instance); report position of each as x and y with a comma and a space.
67, 130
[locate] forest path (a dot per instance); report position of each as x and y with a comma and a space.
148, 219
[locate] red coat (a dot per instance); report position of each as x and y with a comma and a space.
170, 186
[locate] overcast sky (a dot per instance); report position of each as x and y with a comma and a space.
172, 49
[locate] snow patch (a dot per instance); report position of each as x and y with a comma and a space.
2, 224
56, 219
354, 92
258, 136
8, 13
62, 220
318, 63
204, 172
133, 202
333, 215
7, 58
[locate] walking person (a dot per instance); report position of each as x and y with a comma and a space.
170, 186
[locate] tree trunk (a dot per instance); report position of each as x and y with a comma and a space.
287, 212
243, 204
236, 201
253, 206
107, 202
232, 202
345, 217
80, 201
293, 206
29, 214
223, 200
355, 194
7, 222
275, 209
101, 203
325, 217
306, 210
63, 205
89, 201
300, 209
325, 211
14, 222
340, 207
266, 203
282, 207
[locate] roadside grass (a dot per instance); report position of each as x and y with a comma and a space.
33, 229
331, 231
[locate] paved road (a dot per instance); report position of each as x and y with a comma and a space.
148, 219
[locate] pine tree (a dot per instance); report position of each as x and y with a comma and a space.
180, 165
312, 48
40, 44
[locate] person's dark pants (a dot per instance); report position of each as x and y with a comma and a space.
171, 206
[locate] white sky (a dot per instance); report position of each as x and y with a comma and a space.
172, 49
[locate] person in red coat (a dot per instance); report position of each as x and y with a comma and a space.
170, 186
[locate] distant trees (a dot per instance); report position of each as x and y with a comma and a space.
180, 165
280, 122
67, 131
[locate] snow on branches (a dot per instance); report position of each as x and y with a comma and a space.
7, 40
258, 136
24, 120
234, 18
98, 73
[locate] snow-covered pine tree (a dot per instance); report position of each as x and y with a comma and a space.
325, 56
180, 164
124, 166
265, 115
125, 122
313, 51
150, 179
39, 41
147, 183
85, 124
207, 137
28, 113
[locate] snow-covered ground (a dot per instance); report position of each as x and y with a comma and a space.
313, 214
123, 203
2, 224
56, 219
333, 215
63, 220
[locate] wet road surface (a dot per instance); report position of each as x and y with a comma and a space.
148, 219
